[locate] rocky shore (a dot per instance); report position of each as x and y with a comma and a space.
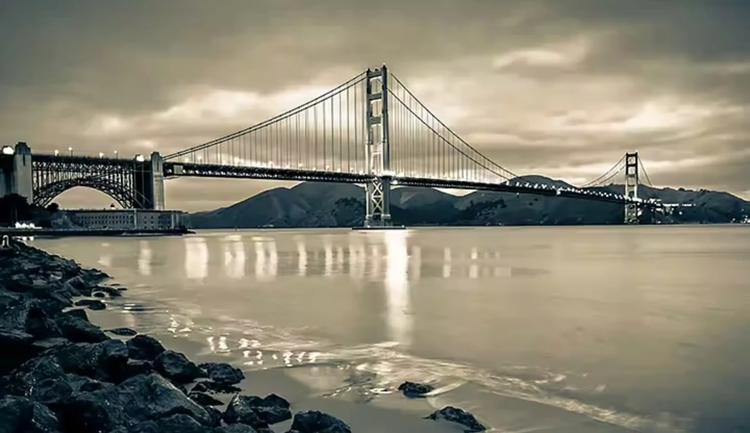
59, 373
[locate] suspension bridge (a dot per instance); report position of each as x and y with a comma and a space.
371, 130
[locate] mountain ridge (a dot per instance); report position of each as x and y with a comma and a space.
315, 204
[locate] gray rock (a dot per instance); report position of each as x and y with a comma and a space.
257, 412
22, 380
235, 428
313, 421
79, 331
104, 361
151, 397
412, 390
180, 423
144, 348
174, 365
459, 416
93, 304
214, 387
204, 399
223, 373
123, 332
40, 324
18, 414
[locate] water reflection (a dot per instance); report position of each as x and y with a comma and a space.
234, 257
446, 262
302, 259
196, 258
397, 286
105, 259
144, 258
266, 259
359, 258
328, 270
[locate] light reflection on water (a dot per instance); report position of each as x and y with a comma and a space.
628, 325
354, 259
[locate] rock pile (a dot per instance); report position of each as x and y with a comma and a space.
59, 373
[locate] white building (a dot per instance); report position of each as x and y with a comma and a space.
128, 219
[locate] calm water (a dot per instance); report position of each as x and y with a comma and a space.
645, 328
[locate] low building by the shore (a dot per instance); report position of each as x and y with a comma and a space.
126, 219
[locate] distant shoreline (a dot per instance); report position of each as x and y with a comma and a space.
54, 233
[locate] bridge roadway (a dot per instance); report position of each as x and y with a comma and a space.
186, 169
177, 169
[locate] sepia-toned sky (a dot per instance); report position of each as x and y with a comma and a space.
561, 88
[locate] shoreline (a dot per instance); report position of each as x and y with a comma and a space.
65, 374
60, 233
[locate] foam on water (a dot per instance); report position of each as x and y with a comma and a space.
371, 373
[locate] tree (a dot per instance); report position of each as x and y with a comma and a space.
52, 208
14, 208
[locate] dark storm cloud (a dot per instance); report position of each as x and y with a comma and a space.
560, 87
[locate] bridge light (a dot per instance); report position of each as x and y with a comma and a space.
7, 150
140, 158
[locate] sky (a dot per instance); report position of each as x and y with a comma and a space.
561, 88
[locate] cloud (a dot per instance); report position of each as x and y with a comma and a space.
560, 88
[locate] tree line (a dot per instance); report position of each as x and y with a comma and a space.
15, 208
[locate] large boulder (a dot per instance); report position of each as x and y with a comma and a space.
78, 330
16, 342
134, 402
153, 397
93, 412
105, 361
223, 373
175, 366
40, 324
144, 348
18, 414
458, 416
257, 412
26, 377
318, 422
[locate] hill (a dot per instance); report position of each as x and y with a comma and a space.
312, 204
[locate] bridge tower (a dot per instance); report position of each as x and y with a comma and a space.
631, 187
148, 182
157, 181
377, 150
16, 172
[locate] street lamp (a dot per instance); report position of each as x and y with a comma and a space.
7, 150
140, 158
57, 152
70, 150
116, 154
101, 154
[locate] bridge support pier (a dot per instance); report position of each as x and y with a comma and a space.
377, 150
631, 188
148, 182
157, 181
16, 172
